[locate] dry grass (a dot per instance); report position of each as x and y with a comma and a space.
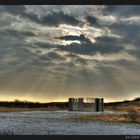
15, 109
123, 108
109, 118
105, 118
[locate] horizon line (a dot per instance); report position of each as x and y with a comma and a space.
59, 101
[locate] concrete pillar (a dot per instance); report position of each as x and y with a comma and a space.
70, 104
99, 104
80, 104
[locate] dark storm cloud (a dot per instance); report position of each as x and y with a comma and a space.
130, 35
14, 33
15, 10
44, 45
107, 39
21, 10
54, 19
93, 21
103, 45
135, 53
50, 56
90, 48
51, 19
126, 31
76, 58
32, 58
126, 10
10, 38
81, 38
2, 9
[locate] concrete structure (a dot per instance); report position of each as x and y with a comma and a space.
87, 104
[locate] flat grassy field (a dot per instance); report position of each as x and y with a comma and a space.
16, 109
58, 123
123, 108
118, 118
115, 117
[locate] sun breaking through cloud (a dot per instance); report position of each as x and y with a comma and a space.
50, 53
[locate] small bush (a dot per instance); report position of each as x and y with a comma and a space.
6, 132
132, 115
114, 108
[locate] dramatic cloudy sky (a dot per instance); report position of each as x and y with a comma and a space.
50, 53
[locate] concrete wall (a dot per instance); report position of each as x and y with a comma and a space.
99, 104
72, 104
90, 107
78, 104
75, 104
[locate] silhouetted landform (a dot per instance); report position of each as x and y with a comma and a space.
60, 105
27, 104
136, 101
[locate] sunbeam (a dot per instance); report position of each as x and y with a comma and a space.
51, 53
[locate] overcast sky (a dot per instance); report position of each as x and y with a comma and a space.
50, 53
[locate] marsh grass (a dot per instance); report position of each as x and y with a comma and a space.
6, 132
112, 118
133, 115
16, 109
